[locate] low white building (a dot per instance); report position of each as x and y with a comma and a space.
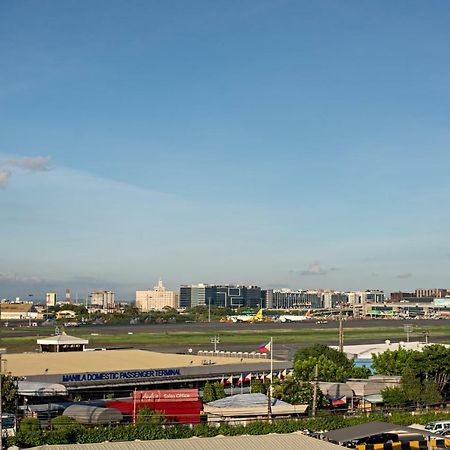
365, 351
17, 311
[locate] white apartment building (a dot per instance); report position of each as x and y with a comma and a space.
102, 299
156, 299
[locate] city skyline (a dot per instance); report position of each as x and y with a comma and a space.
85, 296
283, 144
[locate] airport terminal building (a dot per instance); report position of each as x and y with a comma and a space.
94, 373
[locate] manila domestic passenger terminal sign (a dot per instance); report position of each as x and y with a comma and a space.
122, 375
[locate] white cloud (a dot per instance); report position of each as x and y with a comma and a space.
32, 163
314, 269
28, 163
14, 277
5, 175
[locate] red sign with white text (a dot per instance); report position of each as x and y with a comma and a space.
166, 395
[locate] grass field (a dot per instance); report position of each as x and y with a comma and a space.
250, 336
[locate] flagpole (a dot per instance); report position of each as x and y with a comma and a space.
271, 362
269, 393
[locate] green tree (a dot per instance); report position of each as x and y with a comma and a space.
297, 392
411, 385
436, 365
9, 393
393, 362
219, 390
430, 394
208, 393
360, 372
394, 396
318, 350
333, 365
258, 387
329, 370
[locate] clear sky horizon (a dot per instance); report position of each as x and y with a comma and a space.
280, 143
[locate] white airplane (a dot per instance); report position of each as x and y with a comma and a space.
247, 317
289, 318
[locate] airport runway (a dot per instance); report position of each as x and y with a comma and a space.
22, 329
281, 350
260, 326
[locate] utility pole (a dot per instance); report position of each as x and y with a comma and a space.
316, 383
341, 330
2, 350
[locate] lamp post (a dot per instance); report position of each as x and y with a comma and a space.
341, 330
209, 309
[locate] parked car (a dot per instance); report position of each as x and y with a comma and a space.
438, 426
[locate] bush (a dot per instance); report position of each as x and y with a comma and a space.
147, 416
30, 424
149, 431
63, 423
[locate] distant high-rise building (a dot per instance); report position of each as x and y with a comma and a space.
230, 296
435, 293
332, 299
400, 296
371, 296
50, 299
67, 295
296, 299
156, 299
103, 299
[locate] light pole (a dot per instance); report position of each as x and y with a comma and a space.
215, 340
341, 330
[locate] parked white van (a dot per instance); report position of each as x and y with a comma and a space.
437, 426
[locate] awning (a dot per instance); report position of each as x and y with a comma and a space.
40, 389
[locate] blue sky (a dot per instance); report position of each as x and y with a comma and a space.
280, 143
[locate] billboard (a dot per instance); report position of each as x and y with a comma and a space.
50, 299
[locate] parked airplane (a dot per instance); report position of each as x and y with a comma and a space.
258, 317
290, 318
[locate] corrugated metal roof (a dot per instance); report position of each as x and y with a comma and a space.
266, 442
22, 364
245, 400
368, 429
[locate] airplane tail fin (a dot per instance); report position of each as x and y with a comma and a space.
258, 315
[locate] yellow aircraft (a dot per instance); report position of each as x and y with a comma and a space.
258, 317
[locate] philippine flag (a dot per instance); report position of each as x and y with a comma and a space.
265, 348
